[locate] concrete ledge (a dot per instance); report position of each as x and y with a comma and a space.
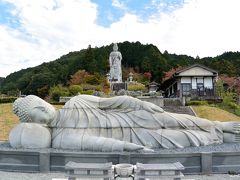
194, 163
19, 161
157, 100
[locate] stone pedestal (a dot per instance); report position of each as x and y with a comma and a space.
116, 87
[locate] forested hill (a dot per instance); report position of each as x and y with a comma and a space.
1, 81
141, 58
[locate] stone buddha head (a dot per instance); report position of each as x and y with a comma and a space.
115, 47
34, 109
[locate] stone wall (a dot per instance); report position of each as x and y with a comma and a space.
158, 100
45, 161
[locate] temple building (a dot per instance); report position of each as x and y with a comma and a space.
195, 81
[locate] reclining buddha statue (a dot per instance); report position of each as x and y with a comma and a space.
121, 123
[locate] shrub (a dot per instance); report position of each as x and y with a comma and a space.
232, 105
106, 87
43, 91
78, 78
90, 87
229, 103
228, 98
196, 103
94, 79
88, 92
7, 99
57, 91
237, 111
134, 86
75, 89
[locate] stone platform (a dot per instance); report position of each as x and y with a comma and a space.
222, 158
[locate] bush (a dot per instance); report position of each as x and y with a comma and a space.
196, 103
237, 111
75, 89
7, 99
87, 87
78, 78
228, 98
93, 79
88, 92
134, 86
232, 105
229, 103
57, 91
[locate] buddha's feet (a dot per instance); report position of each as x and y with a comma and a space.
231, 138
237, 138
236, 128
231, 132
231, 127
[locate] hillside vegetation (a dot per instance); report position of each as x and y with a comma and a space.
137, 58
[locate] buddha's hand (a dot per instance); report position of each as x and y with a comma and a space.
147, 150
150, 107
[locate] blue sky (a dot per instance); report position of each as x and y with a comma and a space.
33, 32
112, 11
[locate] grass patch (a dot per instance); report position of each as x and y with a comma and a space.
214, 113
7, 120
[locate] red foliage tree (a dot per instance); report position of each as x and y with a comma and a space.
78, 78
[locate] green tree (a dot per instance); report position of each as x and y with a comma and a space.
90, 63
57, 91
146, 64
38, 81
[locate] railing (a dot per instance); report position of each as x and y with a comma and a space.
203, 93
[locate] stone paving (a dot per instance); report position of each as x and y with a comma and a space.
61, 176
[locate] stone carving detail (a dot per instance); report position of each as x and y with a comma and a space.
115, 59
120, 123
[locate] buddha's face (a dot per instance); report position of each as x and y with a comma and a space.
34, 109
115, 47
41, 114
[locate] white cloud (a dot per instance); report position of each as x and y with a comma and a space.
118, 4
51, 28
205, 28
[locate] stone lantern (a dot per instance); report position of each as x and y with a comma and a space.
108, 77
130, 77
152, 87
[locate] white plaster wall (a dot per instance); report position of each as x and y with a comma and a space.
194, 84
186, 80
200, 80
208, 82
196, 71
178, 85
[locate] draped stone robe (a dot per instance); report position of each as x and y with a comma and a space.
106, 124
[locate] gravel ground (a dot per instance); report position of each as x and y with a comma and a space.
61, 176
